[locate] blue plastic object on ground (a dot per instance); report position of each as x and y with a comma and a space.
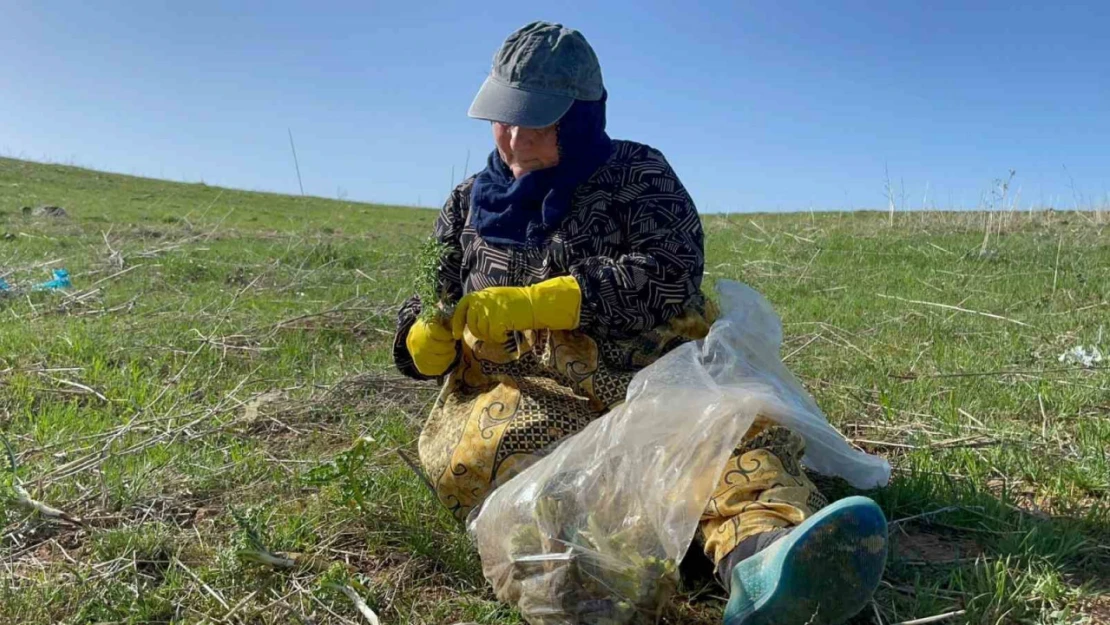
823, 572
60, 281
4, 286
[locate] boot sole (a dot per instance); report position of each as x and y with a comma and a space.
822, 573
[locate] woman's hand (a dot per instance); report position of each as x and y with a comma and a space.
431, 346
490, 314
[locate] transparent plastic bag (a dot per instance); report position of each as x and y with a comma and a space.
594, 532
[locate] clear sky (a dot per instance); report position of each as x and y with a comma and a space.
758, 105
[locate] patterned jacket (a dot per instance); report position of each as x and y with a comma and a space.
633, 242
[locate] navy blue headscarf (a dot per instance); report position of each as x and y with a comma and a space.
523, 211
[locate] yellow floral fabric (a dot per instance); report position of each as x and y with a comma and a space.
763, 487
504, 405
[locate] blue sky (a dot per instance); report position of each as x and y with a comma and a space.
758, 105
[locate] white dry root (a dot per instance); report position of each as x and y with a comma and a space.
267, 558
262, 556
24, 499
360, 605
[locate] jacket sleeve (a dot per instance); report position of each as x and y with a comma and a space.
661, 266
448, 228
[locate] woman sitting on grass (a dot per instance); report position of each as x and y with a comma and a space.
568, 264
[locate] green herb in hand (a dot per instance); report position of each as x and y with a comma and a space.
428, 262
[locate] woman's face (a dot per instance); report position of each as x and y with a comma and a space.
526, 149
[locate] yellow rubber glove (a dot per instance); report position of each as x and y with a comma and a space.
492, 313
431, 346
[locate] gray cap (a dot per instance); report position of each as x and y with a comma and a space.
537, 75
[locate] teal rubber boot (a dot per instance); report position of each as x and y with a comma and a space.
822, 573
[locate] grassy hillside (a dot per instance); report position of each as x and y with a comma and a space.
218, 382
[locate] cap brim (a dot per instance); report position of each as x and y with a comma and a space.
501, 103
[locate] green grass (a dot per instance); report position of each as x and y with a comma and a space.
227, 386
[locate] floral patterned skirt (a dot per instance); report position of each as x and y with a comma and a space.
504, 406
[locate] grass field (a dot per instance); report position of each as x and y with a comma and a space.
218, 384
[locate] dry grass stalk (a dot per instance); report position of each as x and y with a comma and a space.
934, 619
79, 386
215, 595
955, 308
359, 604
